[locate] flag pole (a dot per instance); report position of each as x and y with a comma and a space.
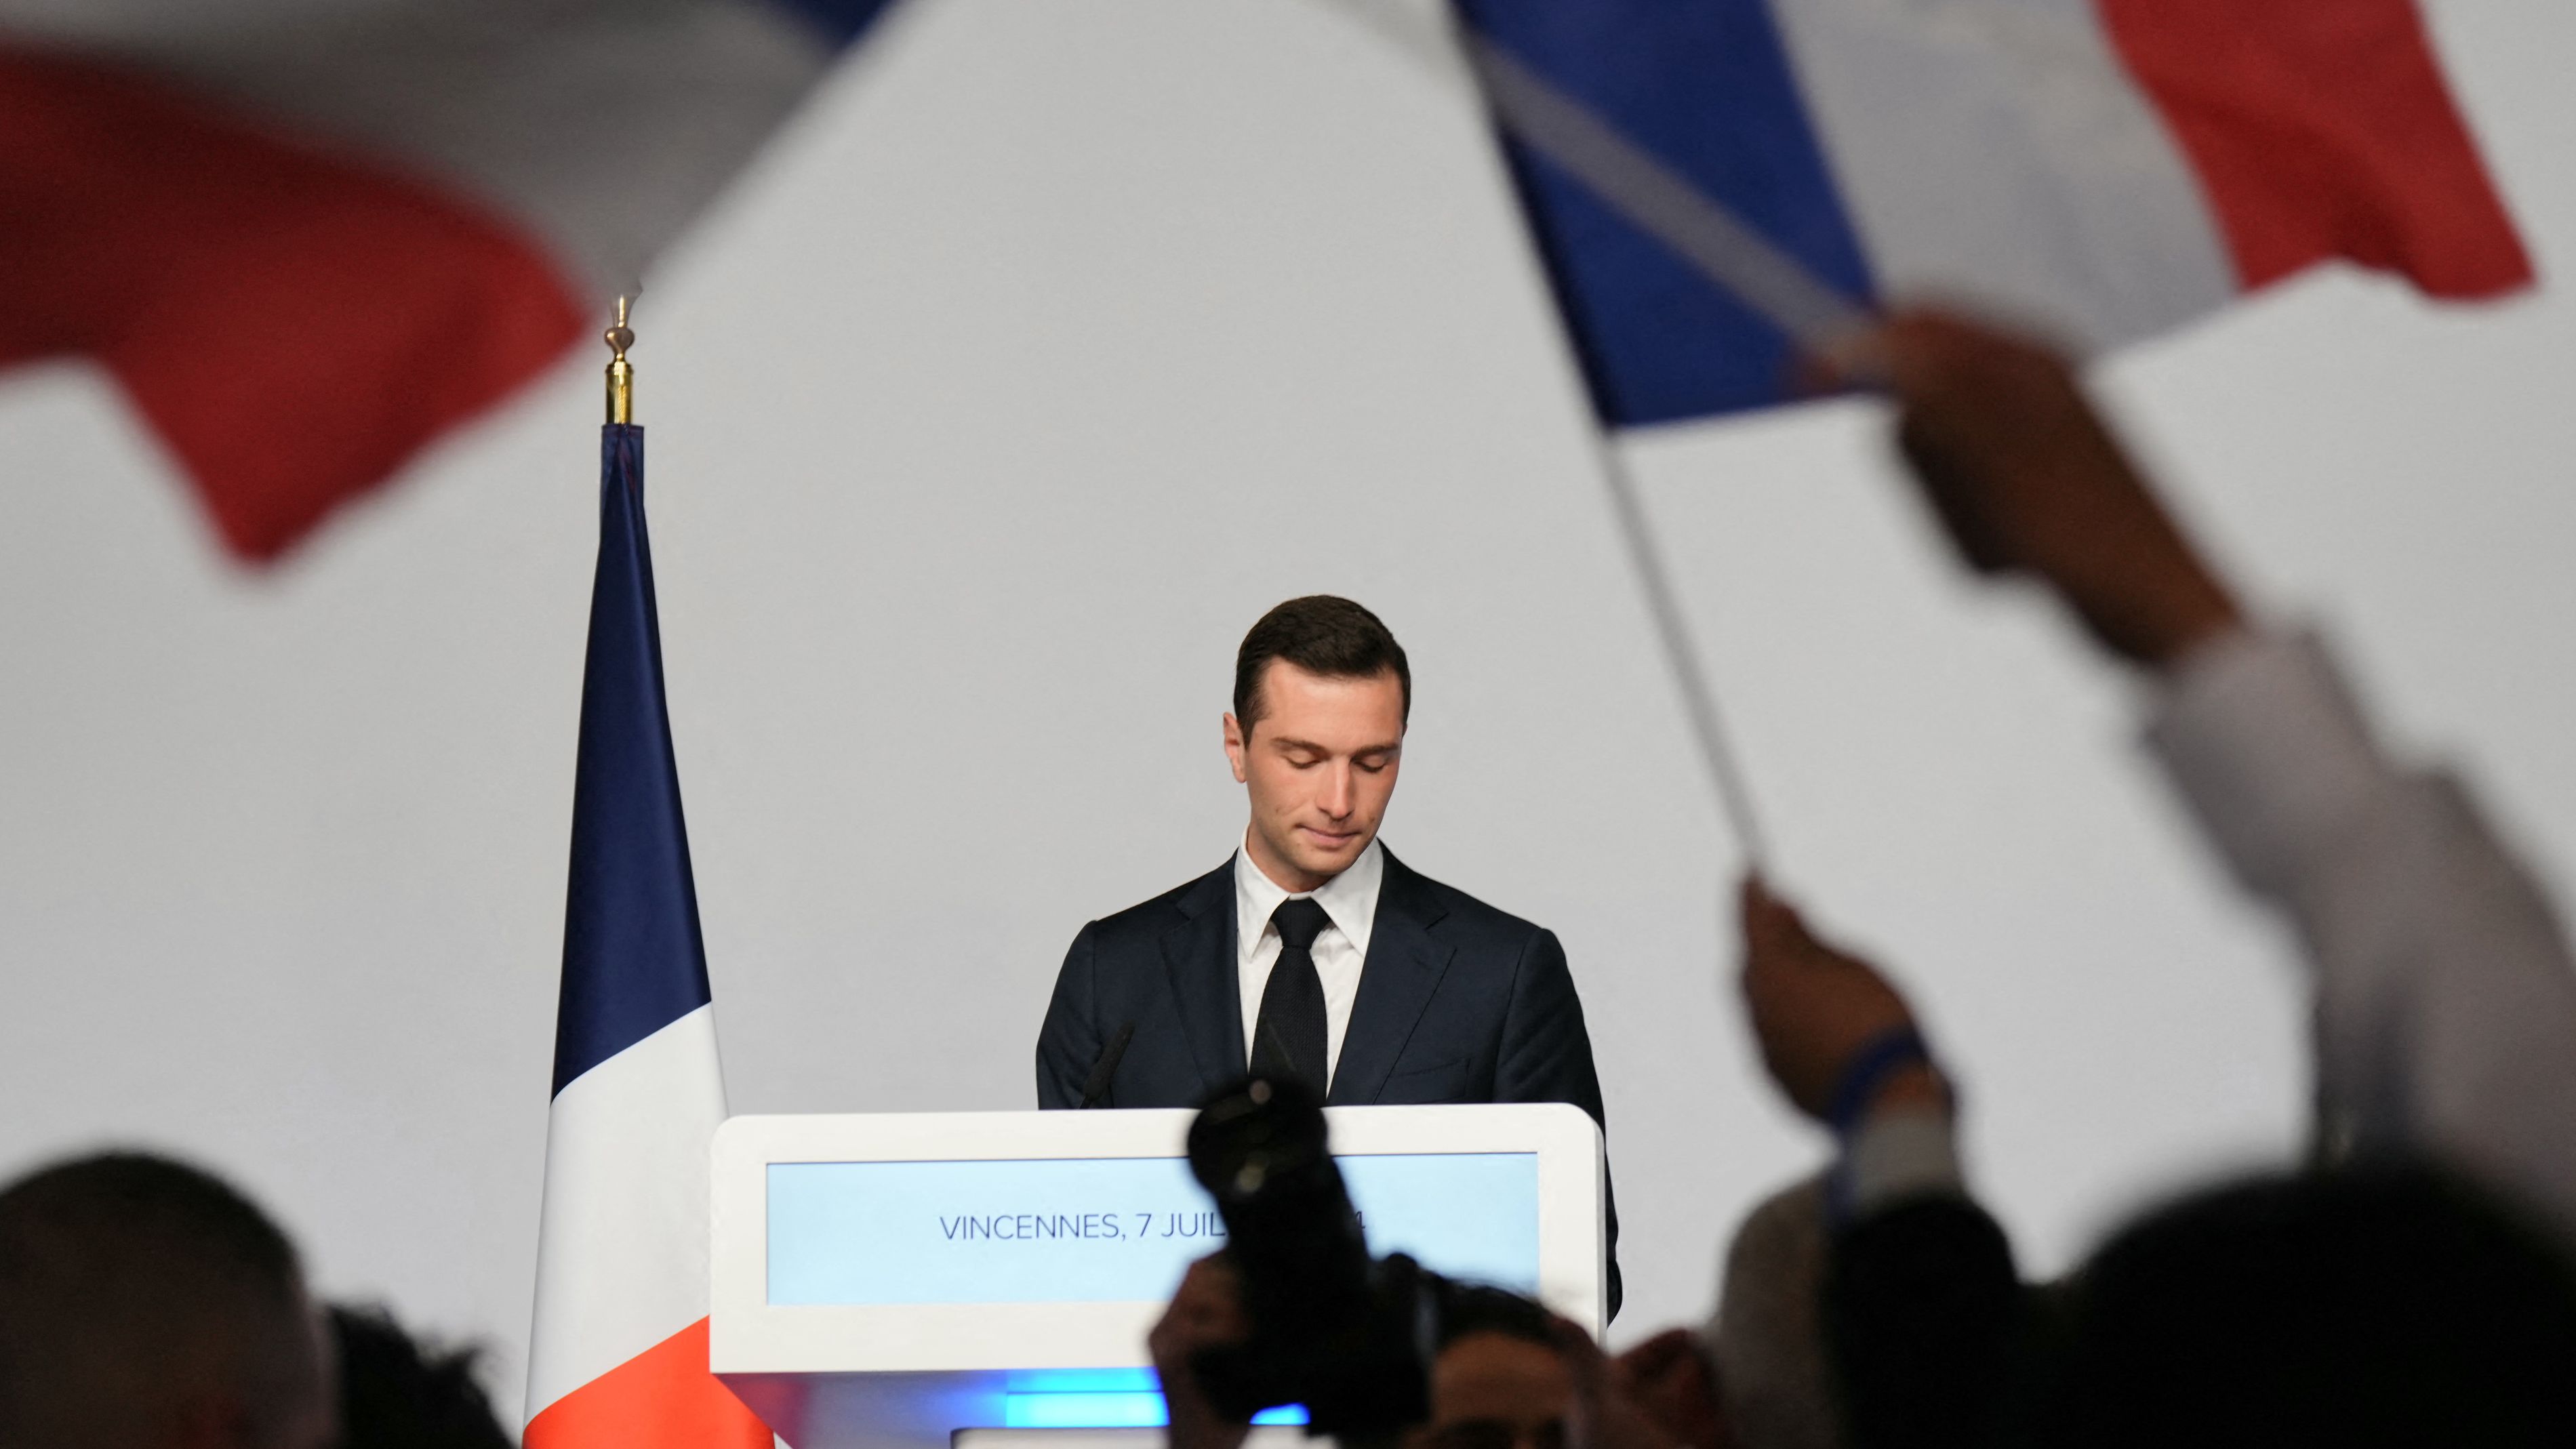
621, 374
1681, 656
618, 1345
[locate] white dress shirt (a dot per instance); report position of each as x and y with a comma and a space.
1349, 899
2445, 1000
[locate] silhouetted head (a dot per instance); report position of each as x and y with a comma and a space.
2353, 1309
147, 1305
1498, 1378
397, 1394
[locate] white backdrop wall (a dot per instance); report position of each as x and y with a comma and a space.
1052, 345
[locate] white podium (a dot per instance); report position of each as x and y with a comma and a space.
882, 1282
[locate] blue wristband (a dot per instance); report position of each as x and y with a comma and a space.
1879, 1058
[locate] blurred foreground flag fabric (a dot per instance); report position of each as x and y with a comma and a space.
618, 1357
2102, 169
308, 236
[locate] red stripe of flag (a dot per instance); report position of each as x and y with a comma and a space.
2322, 128
295, 323
664, 1395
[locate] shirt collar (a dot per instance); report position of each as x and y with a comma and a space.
1350, 899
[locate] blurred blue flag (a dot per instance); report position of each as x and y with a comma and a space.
1719, 186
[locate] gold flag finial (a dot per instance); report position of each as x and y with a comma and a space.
621, 374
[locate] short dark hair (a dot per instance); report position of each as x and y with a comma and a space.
1471, 1308
399, 1393
121, 1275
2388, 1305
1321, 634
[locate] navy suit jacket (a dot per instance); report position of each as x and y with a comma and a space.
1458, 1002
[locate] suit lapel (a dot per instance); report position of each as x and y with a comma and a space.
1404, 966
1198, 955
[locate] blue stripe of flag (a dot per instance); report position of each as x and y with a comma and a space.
1706, 87
634, 961
840, 21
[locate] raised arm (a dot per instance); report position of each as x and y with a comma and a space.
2445, 1002
1921, 1303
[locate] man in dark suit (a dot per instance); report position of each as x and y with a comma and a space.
1314, 952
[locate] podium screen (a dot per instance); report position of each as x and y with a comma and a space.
1106, 1230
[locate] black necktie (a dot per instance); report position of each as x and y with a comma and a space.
1288, 1037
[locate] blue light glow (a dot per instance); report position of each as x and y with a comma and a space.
1082, 1411
1083, 1381
1116, 1407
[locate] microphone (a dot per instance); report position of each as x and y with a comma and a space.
1097, 1085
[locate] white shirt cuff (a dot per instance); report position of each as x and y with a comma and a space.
1898, 1153
2268, 747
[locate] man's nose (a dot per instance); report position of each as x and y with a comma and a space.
1337, 789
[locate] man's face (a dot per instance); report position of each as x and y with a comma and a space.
1319, 766
1496, 1391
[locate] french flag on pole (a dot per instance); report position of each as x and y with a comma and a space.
618, 1357
309, 238
1717, 185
